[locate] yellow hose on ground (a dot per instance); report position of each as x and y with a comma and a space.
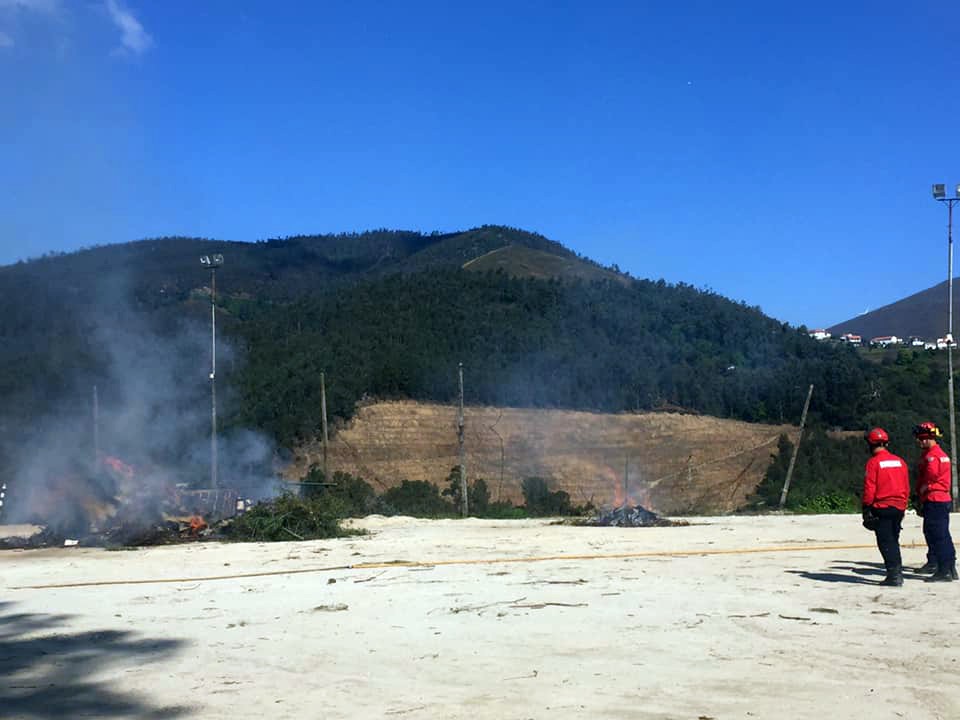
437, 563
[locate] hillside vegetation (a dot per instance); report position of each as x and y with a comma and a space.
390, 315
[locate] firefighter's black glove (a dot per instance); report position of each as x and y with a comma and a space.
870, 520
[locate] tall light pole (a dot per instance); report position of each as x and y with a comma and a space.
940, 195
213, 262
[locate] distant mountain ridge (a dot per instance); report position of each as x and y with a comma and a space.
923, 314
283, 269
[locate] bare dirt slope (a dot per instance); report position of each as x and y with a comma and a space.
673, 463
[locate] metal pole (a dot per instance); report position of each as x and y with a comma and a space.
214, 481
796, 448
463, 469
953, 420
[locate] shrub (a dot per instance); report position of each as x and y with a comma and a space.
829, 503
289, 517
352, 495
418, 498
539, 500
478, 494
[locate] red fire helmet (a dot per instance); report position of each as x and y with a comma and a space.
877, 436
927, 431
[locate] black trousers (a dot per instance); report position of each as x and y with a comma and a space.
936, 530
888, 537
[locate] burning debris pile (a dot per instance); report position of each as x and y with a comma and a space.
112, 504
632, 516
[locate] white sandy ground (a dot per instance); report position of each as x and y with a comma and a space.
797, 631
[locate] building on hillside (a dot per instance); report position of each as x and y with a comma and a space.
851, 339
885, 341
916, 341
942, 342
819, 334
929, 346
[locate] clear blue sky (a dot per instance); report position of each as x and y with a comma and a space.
778, 153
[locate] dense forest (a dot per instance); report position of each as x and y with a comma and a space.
392, 314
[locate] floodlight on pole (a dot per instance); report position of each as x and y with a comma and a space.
940, 195
213, 262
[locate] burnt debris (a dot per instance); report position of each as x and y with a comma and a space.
631, 516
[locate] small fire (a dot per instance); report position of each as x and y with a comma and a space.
196, 525
630, 496
119, 467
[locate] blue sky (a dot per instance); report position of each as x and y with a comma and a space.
778, 153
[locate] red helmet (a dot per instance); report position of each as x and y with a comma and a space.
927, 431
877, 436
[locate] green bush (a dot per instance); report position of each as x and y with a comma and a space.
505, 511
418, 498
539, 500
829, 503
352, 495
478, 494
828, 473
289, 517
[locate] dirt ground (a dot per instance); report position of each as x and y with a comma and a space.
731, 617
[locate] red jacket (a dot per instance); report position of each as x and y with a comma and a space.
933, 476
886, 482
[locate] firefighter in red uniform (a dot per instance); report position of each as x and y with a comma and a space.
933, 493
886, 489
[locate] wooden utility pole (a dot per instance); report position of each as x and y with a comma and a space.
793, 458
323, 423
464, 509
493, 429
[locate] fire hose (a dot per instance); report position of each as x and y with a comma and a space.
438, 563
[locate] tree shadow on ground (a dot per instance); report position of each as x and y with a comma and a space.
48, 673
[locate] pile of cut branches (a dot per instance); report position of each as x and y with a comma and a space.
288, 517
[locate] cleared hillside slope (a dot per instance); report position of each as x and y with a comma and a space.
673, 463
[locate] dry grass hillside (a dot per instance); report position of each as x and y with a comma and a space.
672, 463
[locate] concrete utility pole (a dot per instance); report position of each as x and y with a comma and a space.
323, 421
940, 195
464, 509
796, 448
213, 262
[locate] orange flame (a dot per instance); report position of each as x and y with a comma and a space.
197, 524
119, 467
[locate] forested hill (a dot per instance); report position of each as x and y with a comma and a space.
166, 270
527, 342
391, 314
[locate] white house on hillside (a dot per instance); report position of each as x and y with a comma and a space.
851, 338
885, 340
819, 334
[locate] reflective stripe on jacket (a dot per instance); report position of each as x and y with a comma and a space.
886, 482
933, 476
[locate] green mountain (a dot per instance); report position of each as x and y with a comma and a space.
389, 314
